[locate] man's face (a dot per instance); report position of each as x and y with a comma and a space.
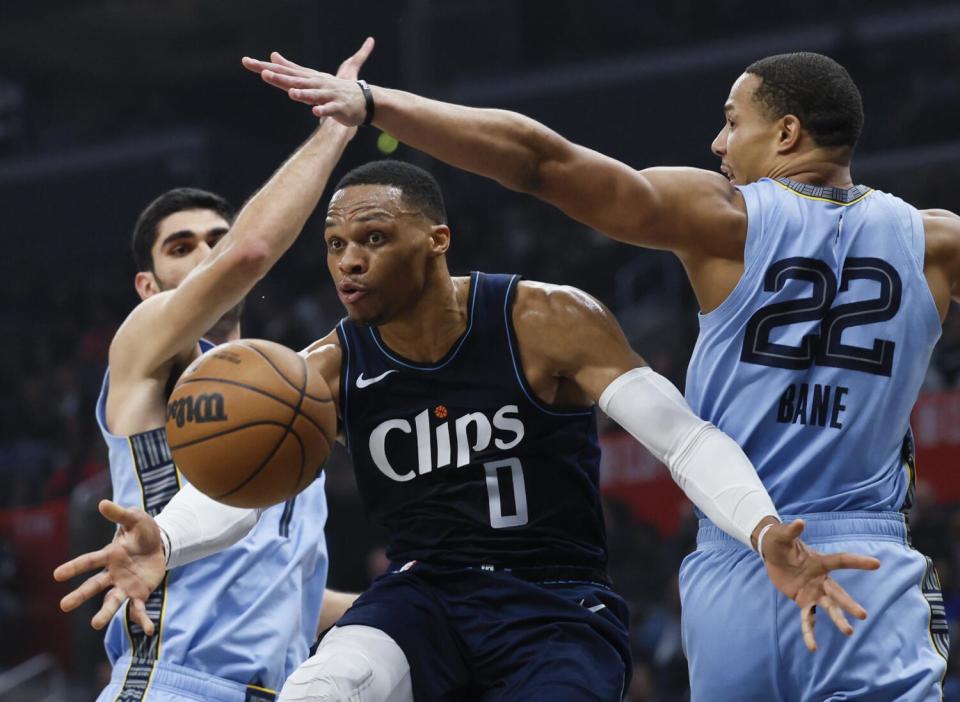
184, 240
747, 144
379, 251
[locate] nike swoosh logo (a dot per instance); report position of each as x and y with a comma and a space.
366, 382
595, 608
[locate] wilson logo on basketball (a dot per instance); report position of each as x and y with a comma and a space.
200, 409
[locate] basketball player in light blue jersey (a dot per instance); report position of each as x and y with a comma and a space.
821, 301
231, 626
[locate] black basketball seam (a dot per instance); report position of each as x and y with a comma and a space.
257, 390
251, 388
225, 432
265, 461
303, 451
285, 378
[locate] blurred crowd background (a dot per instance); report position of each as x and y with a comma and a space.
106, 103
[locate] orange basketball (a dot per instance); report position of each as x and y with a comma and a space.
249, 424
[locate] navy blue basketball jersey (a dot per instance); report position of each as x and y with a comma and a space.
459, 459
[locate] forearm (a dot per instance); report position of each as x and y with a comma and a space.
273, 218
195, 526
505, 146
708, 465
335, 604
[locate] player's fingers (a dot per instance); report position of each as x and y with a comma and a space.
310, 96
836, 561
359, 58
808, 619
113, 600
126, 518
90, 588
281, 60
80, 564
836, 615
258, 66
836, 592
794, 529
139, 612
282, 80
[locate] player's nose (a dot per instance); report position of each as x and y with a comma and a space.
719, 145
352, 261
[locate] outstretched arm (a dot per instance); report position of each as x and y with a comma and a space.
707, 465
169, 324
685, 210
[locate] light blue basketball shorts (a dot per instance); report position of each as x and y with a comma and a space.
742, 637
166, 682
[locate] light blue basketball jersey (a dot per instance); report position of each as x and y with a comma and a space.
247, 614
814, 361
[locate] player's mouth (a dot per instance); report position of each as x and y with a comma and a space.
725, 169
350, 292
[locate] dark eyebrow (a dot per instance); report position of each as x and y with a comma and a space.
218, 230
176, 236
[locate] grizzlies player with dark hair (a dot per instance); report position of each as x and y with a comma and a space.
230, 627
467, 405
821, 302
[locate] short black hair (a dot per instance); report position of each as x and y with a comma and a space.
816, 89
171, 202
419, 188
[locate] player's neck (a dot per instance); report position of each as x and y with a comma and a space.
427, 332
815, 168
221, 334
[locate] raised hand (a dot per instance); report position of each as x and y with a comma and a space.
133, 566
803, 575
337, 96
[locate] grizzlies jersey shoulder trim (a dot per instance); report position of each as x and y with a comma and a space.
837, 196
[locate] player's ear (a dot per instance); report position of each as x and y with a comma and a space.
439, 239
146, 284
788, 134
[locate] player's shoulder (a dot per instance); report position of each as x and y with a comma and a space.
549, 303
941, 230
553, 319
704, 213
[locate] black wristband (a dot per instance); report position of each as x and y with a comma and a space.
368, 97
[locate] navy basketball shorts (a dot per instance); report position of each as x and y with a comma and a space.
478, 634
742, 637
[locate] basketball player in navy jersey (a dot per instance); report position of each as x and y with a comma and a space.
820, 300
467, 404
179, 626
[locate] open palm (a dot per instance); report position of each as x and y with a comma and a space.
133, 565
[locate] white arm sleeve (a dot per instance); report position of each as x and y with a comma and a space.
708, 465
198, 526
